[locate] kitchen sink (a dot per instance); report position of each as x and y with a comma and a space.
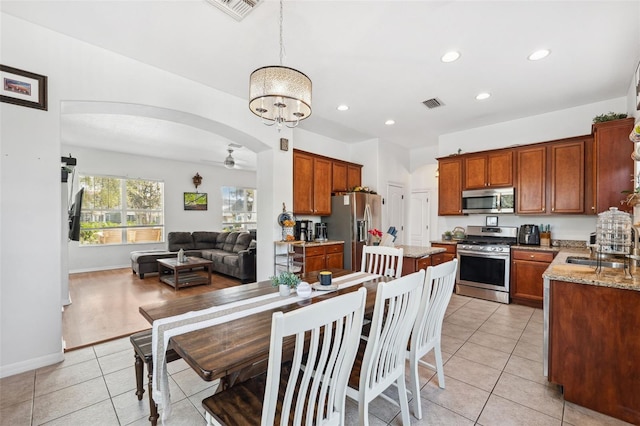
594, 262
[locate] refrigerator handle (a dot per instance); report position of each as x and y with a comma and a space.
367, 220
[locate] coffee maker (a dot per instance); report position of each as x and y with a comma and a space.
321, 231
302, 230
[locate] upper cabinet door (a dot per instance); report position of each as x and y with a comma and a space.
302, 183
489, 170
567, 177
614, 166
500, 169
354, 176
531, 180
339, 179
321, 186
450, 186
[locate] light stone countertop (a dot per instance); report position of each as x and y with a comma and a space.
312, 243
609, 277
445, 242
420, 251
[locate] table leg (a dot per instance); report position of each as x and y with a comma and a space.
177, 279
209, 274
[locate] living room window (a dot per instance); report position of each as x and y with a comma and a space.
121, 211
239, 208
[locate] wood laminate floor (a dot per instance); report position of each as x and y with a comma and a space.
105, 303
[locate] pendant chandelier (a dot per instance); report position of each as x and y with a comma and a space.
278, 94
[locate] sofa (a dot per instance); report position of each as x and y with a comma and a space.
232, 253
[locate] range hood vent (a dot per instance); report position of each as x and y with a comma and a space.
238, 9
433, 103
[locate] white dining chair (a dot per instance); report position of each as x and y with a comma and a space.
326, 337
427, 329
382, 260
382, 362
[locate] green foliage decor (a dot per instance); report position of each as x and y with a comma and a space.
608, 117
285, 278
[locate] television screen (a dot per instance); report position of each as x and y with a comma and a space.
74, 216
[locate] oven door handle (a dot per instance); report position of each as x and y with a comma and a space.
493, 255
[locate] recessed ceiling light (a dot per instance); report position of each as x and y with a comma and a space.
450, 56
539, 54
483, 96
343, 107
390, 122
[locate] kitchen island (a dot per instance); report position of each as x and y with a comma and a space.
591, 338
418, 257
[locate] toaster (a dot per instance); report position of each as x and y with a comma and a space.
529, 235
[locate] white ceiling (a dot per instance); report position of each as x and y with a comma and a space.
382, 58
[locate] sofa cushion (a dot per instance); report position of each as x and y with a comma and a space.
221, 240
216, 255
230, 242
204, 240
180, 240
242, 242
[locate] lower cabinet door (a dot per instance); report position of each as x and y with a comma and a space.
314, 263
335, 260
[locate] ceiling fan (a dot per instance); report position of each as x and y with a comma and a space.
229, 162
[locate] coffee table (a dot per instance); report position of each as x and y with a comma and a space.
178, 280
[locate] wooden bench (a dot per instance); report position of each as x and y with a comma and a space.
143, 352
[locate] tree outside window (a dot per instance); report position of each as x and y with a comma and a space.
239, 208
121, 211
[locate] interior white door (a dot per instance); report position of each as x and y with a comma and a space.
419, 218
395, 208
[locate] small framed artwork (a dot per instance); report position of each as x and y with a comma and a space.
195, 201
284, 144
492, 220
23, 88
637, 80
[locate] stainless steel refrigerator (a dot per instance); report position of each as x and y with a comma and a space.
352, 216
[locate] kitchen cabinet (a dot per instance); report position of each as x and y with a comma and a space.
345, 176
449, 186
610, 167
594, 347
531, 180
566, 183
413, 264
447, 256
527, 267
316, 257
311, 184
488, 170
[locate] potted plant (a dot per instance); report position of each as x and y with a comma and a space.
447, 235
608, 117
285, 281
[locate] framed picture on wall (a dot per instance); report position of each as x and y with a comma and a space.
195, 201
23, 88
637, 80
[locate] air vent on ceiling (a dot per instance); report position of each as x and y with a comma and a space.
433, 103
236, 8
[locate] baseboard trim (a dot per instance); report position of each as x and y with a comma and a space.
100, 268
30, 364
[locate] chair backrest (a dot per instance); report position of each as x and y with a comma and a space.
382, 260
394, 314
314, 395
438, 288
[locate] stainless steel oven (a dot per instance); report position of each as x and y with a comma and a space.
484, 259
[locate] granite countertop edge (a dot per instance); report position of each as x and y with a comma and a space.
312, 243
610, 278
420, 251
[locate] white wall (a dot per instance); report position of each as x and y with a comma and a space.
176, 176
30, 199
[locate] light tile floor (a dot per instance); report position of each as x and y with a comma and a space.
493, 370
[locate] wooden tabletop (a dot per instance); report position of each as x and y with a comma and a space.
242, 344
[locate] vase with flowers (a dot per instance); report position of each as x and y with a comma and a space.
376, 236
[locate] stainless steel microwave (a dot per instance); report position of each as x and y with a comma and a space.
497, 200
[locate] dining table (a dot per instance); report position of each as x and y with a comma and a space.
239, 349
